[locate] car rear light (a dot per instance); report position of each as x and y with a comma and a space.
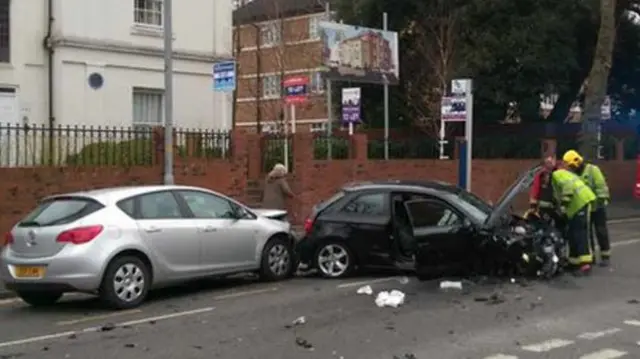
308, 225
8, 239
79, 235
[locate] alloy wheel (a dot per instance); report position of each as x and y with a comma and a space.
128, 282
279, 260
333, 260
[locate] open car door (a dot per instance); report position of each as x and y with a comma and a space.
443, 243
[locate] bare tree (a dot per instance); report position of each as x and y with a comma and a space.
595, 86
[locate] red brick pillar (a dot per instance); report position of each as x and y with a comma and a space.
359, 146
548, 147
620, 149
304, 170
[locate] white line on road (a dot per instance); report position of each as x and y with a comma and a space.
634, 323
98, 317
245, 293
625, 243
600, 334
547, 345
623, 220
401, 280
97, 329
605, 354
501, 356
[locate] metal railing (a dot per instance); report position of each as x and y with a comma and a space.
80, 145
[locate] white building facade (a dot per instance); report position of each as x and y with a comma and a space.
100, 63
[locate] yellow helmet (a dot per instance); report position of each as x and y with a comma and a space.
572, 158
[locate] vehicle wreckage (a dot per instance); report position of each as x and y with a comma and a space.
433, 229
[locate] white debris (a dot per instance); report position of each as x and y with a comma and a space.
520, 230
365, 290
394, 299
450, 285
299, 321
513, 280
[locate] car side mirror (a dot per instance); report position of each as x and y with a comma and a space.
239, 213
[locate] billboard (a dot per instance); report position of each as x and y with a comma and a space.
359, 54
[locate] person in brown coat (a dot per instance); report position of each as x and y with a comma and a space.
276, 189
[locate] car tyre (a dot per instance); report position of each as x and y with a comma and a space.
278, 260
337, 253
39, 298
126, 282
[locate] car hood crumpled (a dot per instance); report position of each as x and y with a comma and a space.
502, 206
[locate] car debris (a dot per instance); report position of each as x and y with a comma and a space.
298, 321
301, 342
445, 285
367, 290
107, 327
633, 301
393, 299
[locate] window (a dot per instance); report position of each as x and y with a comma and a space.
316, 83
127, 206
314, 27
147, 107
5, 31
205, 205
319, 127
59, 211
148, 12
431, 214
270, 33
371, 204
159, 205
271, 86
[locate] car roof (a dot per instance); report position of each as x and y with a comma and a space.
404, 185
115, 194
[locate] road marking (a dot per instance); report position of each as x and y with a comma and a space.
97, 329
501, 356
600, 334
98, 317
8, 301
547, 345
401, 280
625, 243
634, 323
623, 220
245, 293
604, 354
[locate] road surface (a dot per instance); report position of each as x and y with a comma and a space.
590, 318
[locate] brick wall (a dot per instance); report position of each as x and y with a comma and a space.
312, 180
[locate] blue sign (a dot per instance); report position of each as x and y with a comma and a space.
224, 76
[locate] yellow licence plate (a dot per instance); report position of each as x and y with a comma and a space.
29, 272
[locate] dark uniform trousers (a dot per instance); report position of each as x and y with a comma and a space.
578, 234
600, 232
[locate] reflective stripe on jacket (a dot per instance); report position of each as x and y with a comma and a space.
571, 192
593, 177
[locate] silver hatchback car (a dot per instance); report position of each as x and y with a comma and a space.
121, 242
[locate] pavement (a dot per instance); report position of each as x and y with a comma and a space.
596, 317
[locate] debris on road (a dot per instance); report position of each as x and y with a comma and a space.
301, 342
446, 284
406, 356
296, 322
107, 327
633, 301
394, 299
365, 290
130, 345
495, 298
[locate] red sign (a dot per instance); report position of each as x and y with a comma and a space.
296, 89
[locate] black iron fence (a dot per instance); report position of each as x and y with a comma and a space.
79, 145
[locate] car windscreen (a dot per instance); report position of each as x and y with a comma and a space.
324, 204
60, 210
475, 206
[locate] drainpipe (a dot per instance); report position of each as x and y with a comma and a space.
258, 80
48, 45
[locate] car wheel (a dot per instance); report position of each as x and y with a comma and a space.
126, 283
277, 260
334, 260
40, 299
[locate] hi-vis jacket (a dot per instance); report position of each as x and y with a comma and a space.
593, 177
570, 192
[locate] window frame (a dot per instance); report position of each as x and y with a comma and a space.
270, 33
141, 15
314, 27
234, 205
137, 206
316, 82
385, 204
269, 80
431, 199
144, 91
5, 36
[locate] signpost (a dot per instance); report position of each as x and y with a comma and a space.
605, 114
459, 108
296, 92
351, 107
224, 76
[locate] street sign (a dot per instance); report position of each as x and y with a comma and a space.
605, 109
460, 87
351, 105
453, 109
224, 76
296, 89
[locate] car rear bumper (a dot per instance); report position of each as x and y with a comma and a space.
66, 272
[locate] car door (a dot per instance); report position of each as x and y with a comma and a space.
368, 217
169, 233
228, 243
440, 232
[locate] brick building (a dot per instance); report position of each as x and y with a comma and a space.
274, 39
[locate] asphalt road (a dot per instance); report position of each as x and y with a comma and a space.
238, 318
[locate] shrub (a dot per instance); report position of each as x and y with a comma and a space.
126, 153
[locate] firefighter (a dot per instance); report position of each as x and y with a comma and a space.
541, 194
593, 177
573, 199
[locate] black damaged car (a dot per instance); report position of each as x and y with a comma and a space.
431, 228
